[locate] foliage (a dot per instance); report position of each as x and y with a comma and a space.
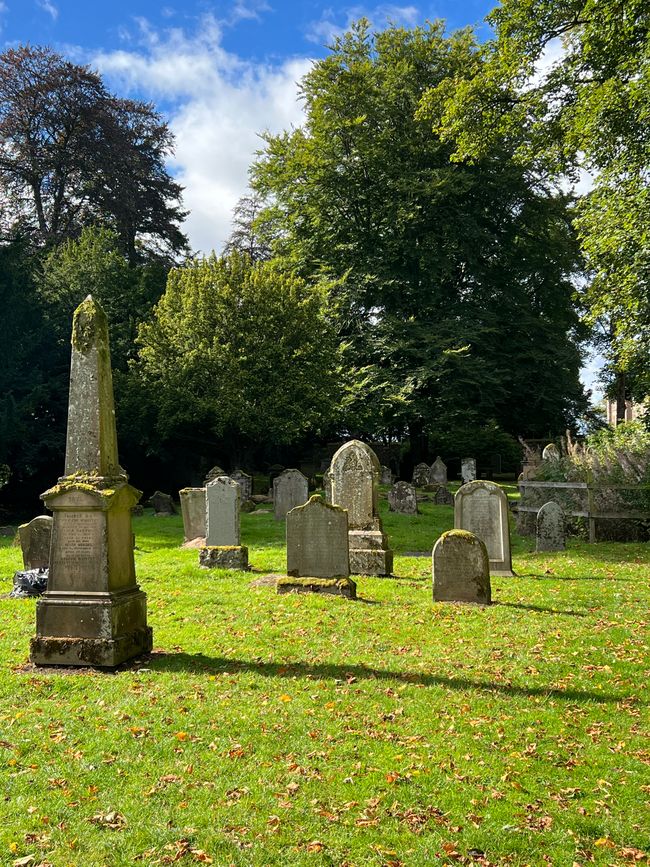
240, 350
589, 111
247, 237
33, 385
71, 153
95, 264
306, 730
440, 265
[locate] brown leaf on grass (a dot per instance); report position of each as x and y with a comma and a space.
24, 861
315, 846
632, 854
113, 820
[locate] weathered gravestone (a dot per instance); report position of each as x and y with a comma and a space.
327, 486
193, 510
223, 548
317, 550
461, 569
402, 499
93, 612
438, 474
354, 474
443, 497
245, 482
213, 474
290, 489
386, 476
468, 470
421, 475
550, 528
35, 539
163, 504
551, 453
482, 508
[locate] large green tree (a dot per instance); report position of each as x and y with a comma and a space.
239, 353
72, 153
589, 109
455, 279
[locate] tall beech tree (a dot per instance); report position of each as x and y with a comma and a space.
590, 110
455, 280
72, 153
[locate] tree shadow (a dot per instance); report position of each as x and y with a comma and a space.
198, 663
539, 608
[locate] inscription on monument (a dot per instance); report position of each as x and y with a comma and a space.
77, 563
485, 522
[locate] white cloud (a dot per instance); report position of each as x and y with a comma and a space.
49, 7
219, 105
329, 26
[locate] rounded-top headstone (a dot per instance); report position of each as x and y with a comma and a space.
354, 475
550, 528
551, 453
461, 569
481, 507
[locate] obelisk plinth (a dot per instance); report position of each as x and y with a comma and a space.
93, 612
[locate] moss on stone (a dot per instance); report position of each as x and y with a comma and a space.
89, 325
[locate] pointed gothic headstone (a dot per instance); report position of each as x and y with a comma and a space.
93, 612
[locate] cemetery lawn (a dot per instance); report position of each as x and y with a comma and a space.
286, 730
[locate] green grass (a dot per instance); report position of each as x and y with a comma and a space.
284, 730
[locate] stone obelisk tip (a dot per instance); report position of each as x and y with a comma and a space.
91, 447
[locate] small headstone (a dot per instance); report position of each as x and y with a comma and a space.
137, 511
248, 506
290, 489
551, 453
245, 482
213, 474
93, 612
386, 476
438, 472
402, 499
7, 531
35, 540
481, 507
354, 475
317, 541
550, 528
193, 509
443, 497
468, 470
461, 569
223, 549
421, 475
163, 504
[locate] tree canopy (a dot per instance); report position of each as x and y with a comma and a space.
455, 279
240, 352
587, 110
72, 153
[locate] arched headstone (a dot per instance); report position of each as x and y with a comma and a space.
550, 528
354, 475
461, 569
482, 508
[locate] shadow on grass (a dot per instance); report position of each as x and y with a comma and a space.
197, 663
539, 608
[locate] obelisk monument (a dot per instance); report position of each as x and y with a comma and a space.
93, 612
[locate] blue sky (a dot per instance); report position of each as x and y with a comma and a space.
220, 72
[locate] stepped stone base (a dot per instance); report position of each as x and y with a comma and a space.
369, 553
102, 652
224, 557
334, 586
